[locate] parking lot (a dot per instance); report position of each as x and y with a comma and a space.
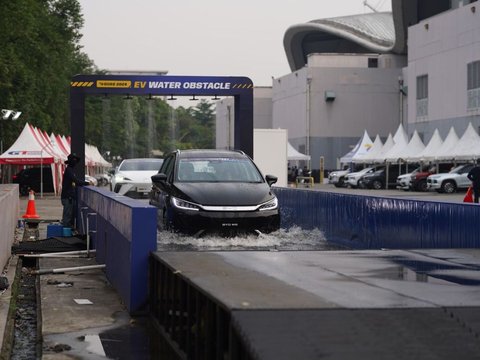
415, 195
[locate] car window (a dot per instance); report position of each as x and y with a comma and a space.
141, 165
217, 170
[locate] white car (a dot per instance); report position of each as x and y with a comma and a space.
91, 180
133, 176
352, 178
404, 181
337, 177
452, 181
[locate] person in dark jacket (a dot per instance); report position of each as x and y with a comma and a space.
68, 196
474, 177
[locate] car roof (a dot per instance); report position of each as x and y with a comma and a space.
207, 153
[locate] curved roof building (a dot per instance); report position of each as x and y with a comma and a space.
365, 33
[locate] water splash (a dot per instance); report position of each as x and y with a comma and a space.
294, 238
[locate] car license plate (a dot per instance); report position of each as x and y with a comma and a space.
142, 189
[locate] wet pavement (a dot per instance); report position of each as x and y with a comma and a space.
83, 317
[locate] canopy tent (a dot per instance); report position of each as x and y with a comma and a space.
30, 148
428, 153
373, 151
400, 142
449, 144
293, 154
468, 146
34, 147
362, 147
414, 146
379, 155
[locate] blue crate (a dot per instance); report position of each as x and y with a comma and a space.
54, 230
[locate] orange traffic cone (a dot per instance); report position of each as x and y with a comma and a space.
469, 195
31, 213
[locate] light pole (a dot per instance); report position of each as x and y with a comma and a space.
7, 114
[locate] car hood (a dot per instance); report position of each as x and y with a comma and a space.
138, 176
224, 194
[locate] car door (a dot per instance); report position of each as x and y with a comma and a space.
162, 192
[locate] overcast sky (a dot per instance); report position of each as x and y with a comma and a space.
202, 37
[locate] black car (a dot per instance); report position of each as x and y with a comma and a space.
378, 179
29, 179
219, 191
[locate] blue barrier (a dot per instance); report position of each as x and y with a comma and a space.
371, 222
124, 233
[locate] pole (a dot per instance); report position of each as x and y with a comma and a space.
41, 172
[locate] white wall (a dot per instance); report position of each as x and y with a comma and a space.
9, 212
270, 153
441, 47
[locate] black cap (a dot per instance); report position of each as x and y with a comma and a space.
72, 158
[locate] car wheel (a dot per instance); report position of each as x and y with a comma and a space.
422, 186
377, 184
449, 187
340, 183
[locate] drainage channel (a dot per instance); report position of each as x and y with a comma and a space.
23, 333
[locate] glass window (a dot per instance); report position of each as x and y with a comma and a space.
422, 96
473, 85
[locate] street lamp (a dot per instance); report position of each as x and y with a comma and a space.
7, 114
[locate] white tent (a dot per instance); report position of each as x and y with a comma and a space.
414, 147
379, 155
293, 154
428, 153
400, 140
445, 152
373, 152
362, 147
468, 146
31, 148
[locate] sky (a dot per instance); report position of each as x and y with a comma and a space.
202, 37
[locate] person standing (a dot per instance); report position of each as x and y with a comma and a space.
68, 196
474, 177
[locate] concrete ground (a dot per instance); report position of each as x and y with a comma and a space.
77, 306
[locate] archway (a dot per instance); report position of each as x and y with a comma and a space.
241, 88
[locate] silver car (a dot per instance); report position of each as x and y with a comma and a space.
133, 177
452, 181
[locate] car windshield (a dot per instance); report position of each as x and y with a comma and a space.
457, 169
141, 165
218, 170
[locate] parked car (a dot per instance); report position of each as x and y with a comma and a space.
91, 180
404, 180
337, 177
378, 179
220, 191
452, 181
418, 181
103, 179
133, 176
353, 178
29, 179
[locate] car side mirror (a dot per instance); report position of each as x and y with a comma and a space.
271, 179
159, 178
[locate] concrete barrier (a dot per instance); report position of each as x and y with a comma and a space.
372, 222
9, 210
124, 233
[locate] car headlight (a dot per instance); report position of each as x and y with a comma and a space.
185, 205
269, 205
121, 178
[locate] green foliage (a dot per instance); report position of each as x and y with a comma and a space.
41, 52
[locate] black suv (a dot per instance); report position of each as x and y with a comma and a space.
378, 179
29, 179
